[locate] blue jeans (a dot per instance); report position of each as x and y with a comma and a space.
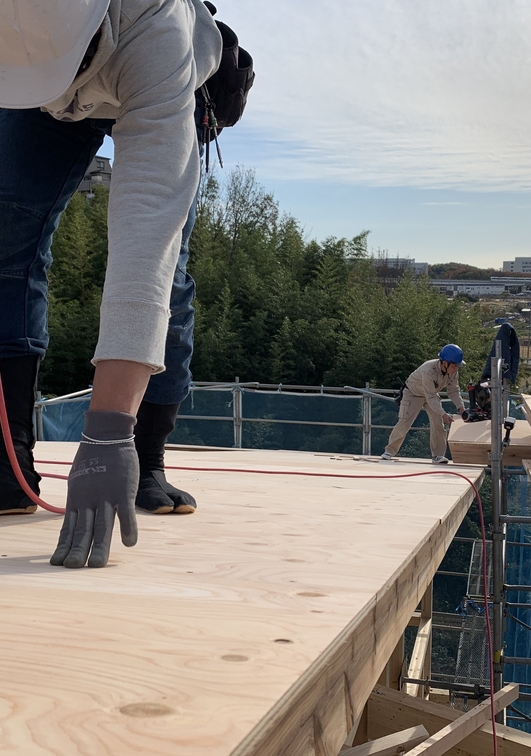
42, 162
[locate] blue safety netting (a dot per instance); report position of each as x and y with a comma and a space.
270, 420
518, 619
63, 421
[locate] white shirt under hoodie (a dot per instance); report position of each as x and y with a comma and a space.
152, 56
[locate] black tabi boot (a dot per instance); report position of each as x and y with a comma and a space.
154, 424
19, 378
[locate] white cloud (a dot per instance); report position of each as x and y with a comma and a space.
428, 93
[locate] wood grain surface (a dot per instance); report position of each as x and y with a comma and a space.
258, 625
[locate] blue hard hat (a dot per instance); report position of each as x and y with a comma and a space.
452, 353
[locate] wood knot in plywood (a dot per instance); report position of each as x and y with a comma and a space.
146, 709
235, 658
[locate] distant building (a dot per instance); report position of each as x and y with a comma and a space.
400, 263
479, 288
98, 174
518, 265
453, 286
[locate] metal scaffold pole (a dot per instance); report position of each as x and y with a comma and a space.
367, 420
498, 527
237, 414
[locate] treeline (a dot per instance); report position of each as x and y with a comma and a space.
462, 271
453, 270
76, 280
272, 306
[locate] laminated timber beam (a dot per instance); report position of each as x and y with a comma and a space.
526, 464
421, 651
390, 745
419, 666
389, 711
455, 732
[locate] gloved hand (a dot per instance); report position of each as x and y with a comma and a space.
103, 482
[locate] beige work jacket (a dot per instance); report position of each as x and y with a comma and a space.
428, 379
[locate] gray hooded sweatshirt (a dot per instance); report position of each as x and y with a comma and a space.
152, 56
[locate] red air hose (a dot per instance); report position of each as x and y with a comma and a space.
4, 423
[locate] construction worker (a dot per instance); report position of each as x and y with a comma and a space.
421, 391
70, 73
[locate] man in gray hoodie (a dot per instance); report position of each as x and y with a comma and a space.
70, 73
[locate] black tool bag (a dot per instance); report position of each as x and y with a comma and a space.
226, 91
223, 97
399, 394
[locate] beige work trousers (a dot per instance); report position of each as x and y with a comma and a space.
410, 407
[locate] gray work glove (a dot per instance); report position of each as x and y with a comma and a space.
103, 482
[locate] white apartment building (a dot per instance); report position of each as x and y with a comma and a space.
451, 287
518, 265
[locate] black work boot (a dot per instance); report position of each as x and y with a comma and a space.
19, 378
154, 424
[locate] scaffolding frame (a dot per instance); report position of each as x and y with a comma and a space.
497, 588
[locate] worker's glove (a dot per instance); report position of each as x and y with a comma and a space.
103, 482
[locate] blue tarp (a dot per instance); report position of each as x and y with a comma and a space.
64, 422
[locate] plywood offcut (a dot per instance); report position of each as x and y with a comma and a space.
526, 406
470, 443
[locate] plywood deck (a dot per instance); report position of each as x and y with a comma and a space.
257, 626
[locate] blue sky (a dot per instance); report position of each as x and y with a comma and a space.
411, 118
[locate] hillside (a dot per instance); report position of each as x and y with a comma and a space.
461, 271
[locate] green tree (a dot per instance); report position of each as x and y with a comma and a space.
271, 306
284, 356
76, 277
219, 353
